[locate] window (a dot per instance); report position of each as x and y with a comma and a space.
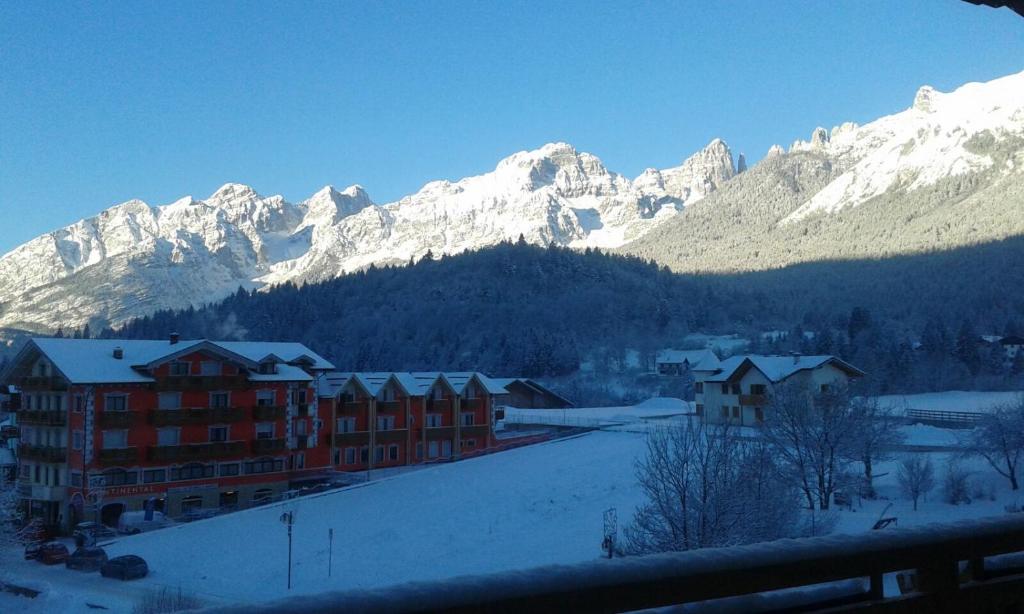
113, 440
350, 456
735, 412
385, 423
264, 465
26, 472
446, 448
264, 398
725, 388
758, 414
169, 400
192, 471
180, 367
471, 391
436, 393
337, 457
39, 470
387, 394
229, 469
364, 454
433, 420
432, 449
76, 479
736, 389
346, 425
170, 436
119, 477
269, 367
725, 411
218, 433
209, 367
468, 418
378, 454
698, 387
263, 495
153, 476
468, 443
264, 430
393, 452
300, 460
219, 399
193, 502
419, 450
77, 440
700, 409
116, 402
300, 427
57, 403
757, 389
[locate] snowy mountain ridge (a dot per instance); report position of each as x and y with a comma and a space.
134, 258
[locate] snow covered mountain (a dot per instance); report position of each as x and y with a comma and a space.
133, 258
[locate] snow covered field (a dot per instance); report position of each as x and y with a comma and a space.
950, 400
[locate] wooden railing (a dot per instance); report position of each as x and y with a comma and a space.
753, 400
356, 407
118, 456
268, 446
262, 413
443, 432
119, 419
388, 406
851, 567
955, 419
475, 430
45, 417
196, 451
46, 454
352, 438
196, 415
391, 435
36, 382
201, 382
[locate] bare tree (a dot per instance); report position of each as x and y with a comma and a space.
999, 439
877, 434
916, 476
707, 487
10, 513
815, 434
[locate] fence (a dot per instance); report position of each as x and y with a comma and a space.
555, 419
851, 568
949, 419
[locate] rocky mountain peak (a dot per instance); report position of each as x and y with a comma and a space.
924, 98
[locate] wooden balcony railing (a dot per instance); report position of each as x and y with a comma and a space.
268, 446
439, 405
263, 413
197, 451
196, 415
35, 382
201, 382
43, 417
440, 432
356, 407
471, 404
391, 436
118, 419
753, 400
46, 454
475, 430
389, 406
854, 567
118, 456
352, 438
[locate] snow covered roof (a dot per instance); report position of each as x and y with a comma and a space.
699, 360
416, 383
778, 368
89, 361
504, 382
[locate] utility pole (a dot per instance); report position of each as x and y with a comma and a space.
288, 518
330, 550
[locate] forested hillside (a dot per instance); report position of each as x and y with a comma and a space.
912, 322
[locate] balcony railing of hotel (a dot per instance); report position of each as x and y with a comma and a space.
391, 435
196, 415
475, 430
197, 451
34, 382
45, 417
201, 382
438, 405
268, 446
351, 438
47, 454
969, 566
471, 404
264, 413
389, 406
445, 432
352, 407
118, 456
114, 419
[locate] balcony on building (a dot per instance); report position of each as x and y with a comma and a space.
114, 457
352, 438
268, 446
440, 432
42, 453
196, 415
41, 383
201, 382
197, 451
352, 407
753, 400
118, 419
265, 413
43, 417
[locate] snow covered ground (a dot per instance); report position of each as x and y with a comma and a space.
600, 416
949, 400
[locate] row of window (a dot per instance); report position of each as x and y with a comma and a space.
190, 471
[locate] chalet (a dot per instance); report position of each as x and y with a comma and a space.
737, 391
1013, 346
686, 362
526, 393
108, 426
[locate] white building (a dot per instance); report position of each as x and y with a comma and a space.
682, 362
737, 391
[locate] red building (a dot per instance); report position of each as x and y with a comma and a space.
109, 425
388, 419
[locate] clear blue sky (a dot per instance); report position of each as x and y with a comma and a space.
103, 102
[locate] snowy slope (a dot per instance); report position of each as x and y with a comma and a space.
940, 135
135, 258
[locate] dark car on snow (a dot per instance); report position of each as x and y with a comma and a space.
86, 559
52, 553
32, 551
127, 567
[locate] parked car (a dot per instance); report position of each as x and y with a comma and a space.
86, 559
52, 553
32, 551
88, 533
132, 523
127, 567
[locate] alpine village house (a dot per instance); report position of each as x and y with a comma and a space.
112, 425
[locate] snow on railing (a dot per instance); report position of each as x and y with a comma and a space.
798, 567
555, 419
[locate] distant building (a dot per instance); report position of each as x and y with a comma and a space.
526, 393
1011, 348
684, 362
737, 391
